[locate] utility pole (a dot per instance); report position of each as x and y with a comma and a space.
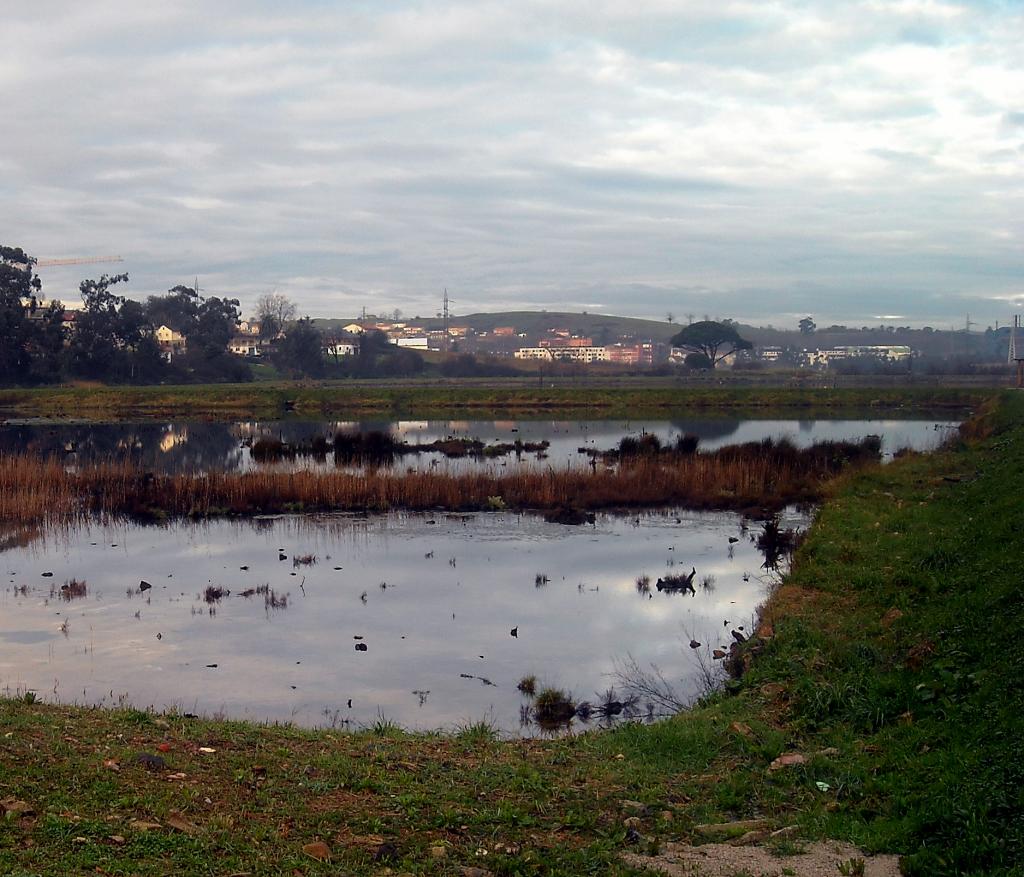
444, 312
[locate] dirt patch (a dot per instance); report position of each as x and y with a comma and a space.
722, 860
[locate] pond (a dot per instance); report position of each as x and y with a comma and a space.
190, 446
428, 620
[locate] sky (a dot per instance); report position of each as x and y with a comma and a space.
861, 162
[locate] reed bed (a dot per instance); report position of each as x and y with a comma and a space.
756, 477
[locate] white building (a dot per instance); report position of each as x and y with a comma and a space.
340, 348
245, 345
884, 352
564, 354
416, 342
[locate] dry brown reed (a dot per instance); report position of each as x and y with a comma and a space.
34, 490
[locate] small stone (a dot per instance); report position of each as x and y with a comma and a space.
317, 850
789, 759
748, 838
14, 807
891, 617
386, 852
742, 825
178, 822
788, 831
150, 762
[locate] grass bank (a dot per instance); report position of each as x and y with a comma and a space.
891, 664
469, 398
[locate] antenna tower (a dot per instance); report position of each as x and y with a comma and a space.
1016, 354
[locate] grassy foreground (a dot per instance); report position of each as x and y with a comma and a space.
891, 661
466, 398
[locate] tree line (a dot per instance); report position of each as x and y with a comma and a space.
113, 337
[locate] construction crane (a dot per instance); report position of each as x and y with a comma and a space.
89, 260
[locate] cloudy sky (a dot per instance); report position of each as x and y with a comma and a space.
859, 161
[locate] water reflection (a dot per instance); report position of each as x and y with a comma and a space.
432, 621
191, 446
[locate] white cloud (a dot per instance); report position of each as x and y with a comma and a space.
644, 158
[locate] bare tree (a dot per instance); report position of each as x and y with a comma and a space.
274, 311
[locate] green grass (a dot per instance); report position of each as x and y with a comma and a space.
611, 398
910, 722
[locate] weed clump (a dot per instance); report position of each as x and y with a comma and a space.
687, 444
73, 589
375, 447
570, 516
273, 600
267, 449
553, 707
648, 445
776, 543
528, 685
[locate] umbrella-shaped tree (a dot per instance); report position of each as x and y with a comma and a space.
713, 339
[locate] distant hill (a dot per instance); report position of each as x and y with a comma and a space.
538, 322
607, 329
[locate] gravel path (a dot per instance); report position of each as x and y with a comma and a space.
723, 860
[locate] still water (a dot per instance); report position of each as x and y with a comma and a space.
434, 599
189, 446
